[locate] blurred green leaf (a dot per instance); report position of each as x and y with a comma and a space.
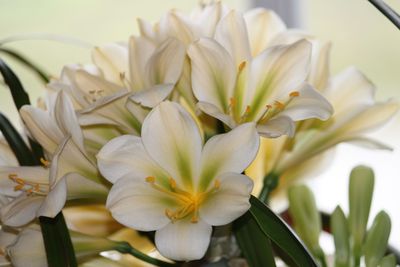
16, 143
340, 234
279, 233
22, 59
388, 261
377, 239
360, 197
255, 246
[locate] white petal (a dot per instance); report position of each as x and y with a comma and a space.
112, 59
55, 200
229, 202
28, 250
140, 51
126, 155
165, 65
176, 25
215, 112
21, 210
208, 17
368, 143
171, 137
213, 73
151, 97
42, 127
67, 120
262, 25
275, 73
276, 127
230, 152
136, 204
309, 104
350, 89
231, 33
183, 240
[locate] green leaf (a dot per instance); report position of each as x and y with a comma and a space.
360, 197
377, 239
388, 261
16, 143
279, 233
19, 95
20, 98
255, 246
59, 249
22, 59
341, 237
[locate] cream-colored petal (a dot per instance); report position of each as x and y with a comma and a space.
262, 25
309, 104
275, 73
215, 112
165, 65
112, 59
66, 119
183, 240
136, 204
174, 24
151, 97
229, 202
21, 210
369, 143
140, 51
230, 152
42, 127
55, 200
126, 155
276, 127
28, 250
231, 33
208, 17
172, 139
349, 90
213, 73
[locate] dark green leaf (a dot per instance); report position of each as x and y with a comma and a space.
42, 75
16, 143
19, 95
279, 233
59, 249
255, 246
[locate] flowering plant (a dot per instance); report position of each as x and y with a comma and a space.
167, 147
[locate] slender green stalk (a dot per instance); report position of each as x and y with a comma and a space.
271, 181
387, 11
22, 59
126, 248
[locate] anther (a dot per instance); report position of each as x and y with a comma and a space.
150, 179
45, 163
232, 101
294, 94
18, 187
217, 184
172, 183
242, 66
279, 105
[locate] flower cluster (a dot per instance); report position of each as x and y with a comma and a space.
161, 129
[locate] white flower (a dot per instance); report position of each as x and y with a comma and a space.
269, 89
167, 181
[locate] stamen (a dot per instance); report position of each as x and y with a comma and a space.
172, 183
294, 94
45, 163
27, 186
150, 179
232, 102
242, 66
279, 105
217, 184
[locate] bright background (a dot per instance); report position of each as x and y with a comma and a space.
361, 36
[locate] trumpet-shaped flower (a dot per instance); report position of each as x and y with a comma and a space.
269, 89
70, 173
168, 182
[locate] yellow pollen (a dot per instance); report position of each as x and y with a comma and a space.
150, 179
45, 163
242, 66
294, 94
279, 105
268, 106
28, 187
18, 187
232, 102
247, 111
187, 202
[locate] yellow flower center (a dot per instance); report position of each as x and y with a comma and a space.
188, 202
29, 187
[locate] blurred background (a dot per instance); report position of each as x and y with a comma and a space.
361, 36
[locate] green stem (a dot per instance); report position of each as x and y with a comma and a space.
42, 75
126, 248
271, 181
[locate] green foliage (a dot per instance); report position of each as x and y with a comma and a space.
341, 237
